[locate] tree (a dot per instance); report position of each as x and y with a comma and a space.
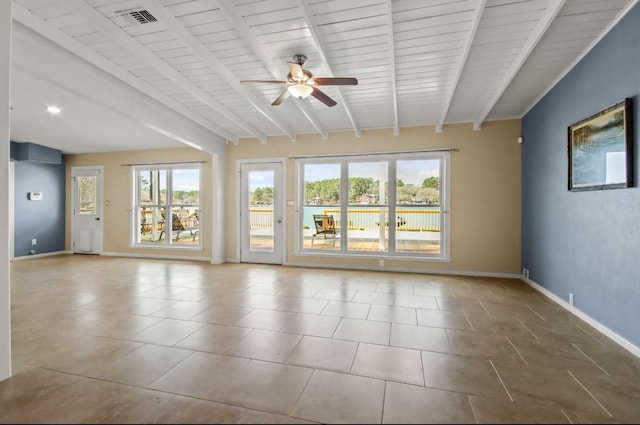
360, 186
406, 194
430, 194
431, 182
262, 196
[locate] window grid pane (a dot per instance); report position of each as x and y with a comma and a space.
158, 223
414, 221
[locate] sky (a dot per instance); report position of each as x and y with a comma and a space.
410, 171
186, 180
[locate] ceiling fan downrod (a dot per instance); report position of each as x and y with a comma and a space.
299, 59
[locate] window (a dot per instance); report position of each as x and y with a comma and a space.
391, 205
167, 206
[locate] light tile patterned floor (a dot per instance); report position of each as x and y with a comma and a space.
105, 340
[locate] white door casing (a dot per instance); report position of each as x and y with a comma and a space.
261, 226
87, 210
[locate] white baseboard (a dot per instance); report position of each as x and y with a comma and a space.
404, 270
155, 256
633, 349
46, 254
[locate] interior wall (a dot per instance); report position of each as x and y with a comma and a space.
485, 191
42, 220
117, 191
585, 243
5, 125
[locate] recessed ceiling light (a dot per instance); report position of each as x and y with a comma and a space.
53, 110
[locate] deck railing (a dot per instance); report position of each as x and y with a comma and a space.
407, 219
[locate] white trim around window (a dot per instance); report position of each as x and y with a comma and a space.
343, 205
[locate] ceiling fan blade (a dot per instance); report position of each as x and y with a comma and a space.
336, 81
322, 97
295, 70
284, 96
264, 81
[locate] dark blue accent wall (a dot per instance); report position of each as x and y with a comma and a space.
43, 220
586, 243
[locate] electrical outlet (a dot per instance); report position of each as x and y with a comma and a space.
527, 274
571, 298
34, 241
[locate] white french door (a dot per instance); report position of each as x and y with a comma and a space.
261, 218
87, 210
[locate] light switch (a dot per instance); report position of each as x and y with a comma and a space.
290, 203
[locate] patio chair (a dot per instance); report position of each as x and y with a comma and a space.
325, 227
176, 226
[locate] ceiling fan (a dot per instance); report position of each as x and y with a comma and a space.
302, 83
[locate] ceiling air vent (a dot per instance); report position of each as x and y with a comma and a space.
137, 16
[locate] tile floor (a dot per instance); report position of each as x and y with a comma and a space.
114, 340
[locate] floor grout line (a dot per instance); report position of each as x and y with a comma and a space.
565, 415
501, 381
517, 351
525, 326
590, 359
589, 392
537, 314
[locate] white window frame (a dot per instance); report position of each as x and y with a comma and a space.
444, 157
168, 236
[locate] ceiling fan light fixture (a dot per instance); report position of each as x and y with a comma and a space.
300, 90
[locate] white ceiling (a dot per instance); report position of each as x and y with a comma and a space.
125, 86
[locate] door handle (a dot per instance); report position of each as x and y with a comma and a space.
279, 221
97, 218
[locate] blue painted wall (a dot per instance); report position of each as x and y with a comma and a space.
45, 219
587, 243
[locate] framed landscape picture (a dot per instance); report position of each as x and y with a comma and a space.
600, 150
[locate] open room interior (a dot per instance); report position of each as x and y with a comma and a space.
378, 211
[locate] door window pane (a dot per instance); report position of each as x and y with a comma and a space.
88, 194
261, 212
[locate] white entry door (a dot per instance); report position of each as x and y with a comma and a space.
261, 219
87, 210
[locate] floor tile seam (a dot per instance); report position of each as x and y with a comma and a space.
95, 378
202, 325
495, 296
592, 336
231, 352
473, 411
384, 402
450, 391
304, 388
516, 350
113, 339
145, 328
501, 381
536, 313
527, 328
589, 392
590, 359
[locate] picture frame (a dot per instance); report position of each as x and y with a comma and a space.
600, 149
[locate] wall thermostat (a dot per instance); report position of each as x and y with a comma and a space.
35, 196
